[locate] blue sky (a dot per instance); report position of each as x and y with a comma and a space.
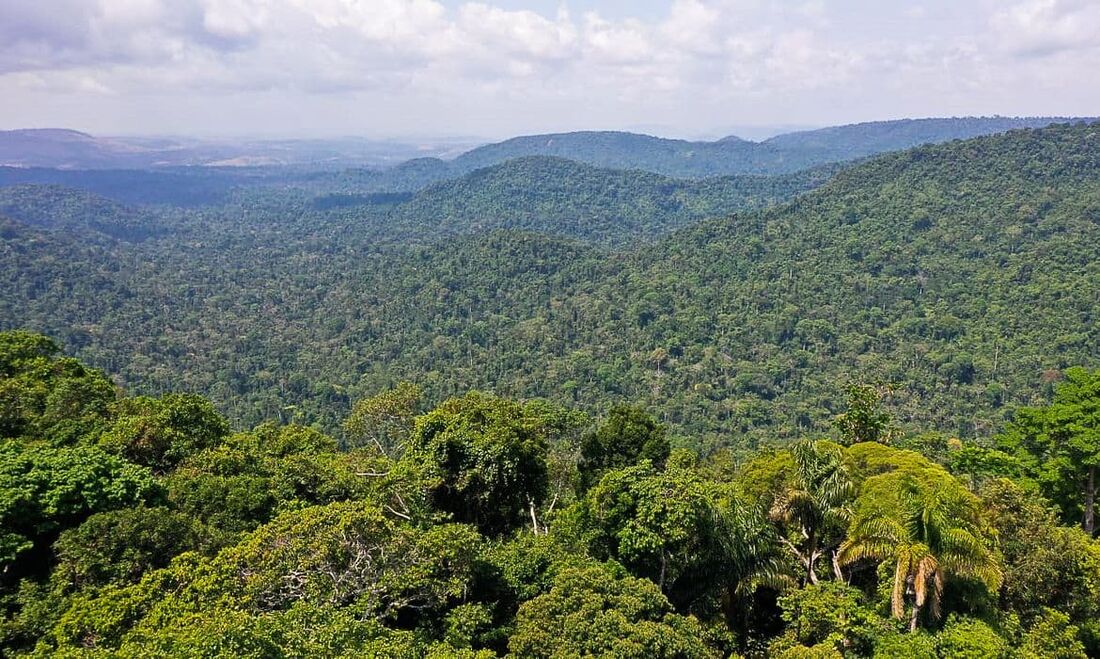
494, 68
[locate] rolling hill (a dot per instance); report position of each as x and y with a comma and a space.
562, 197
778, 155
965, 274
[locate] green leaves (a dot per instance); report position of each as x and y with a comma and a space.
595, 611
1060, 445
44, 490
484, 460
159, 433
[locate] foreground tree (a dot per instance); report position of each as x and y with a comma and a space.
383, 421
1060, 445
927, 526
483, 460
688, 535
814, 506
598, 612
626, 437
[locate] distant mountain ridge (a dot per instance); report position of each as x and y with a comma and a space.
411, 166
782, 154
728, 156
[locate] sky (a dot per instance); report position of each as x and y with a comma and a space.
494, 68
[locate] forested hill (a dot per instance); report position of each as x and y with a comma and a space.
782, 154
838, 143
965, 274
558, 196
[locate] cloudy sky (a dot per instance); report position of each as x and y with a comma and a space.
498, 67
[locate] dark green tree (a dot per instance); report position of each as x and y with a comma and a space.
483, 460
627, 436
1060, 445
160, 432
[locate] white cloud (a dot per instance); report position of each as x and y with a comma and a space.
1045, 27
695, 58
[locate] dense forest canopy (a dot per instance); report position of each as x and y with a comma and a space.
962, 278
137, 526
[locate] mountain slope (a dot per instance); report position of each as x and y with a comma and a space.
558, 196
781, 154
71, 211
839, 143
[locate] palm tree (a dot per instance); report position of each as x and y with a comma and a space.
815, 505
929, 533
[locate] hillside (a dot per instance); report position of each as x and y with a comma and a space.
778, 155
557, 196
838, 143
964, 273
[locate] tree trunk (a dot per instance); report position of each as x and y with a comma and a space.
913, 618
837, 572
1090, 502
811, 559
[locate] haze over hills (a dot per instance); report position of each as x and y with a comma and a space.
732, 155
69, 149
413, 166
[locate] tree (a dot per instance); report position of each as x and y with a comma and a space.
120, 546
47, 397
483, 460
160, 432
598, 612
928, 527
627, 436
814, 505
967, 638
864, 420
1052, 637
690, 536
830, 613
384, 420
1060, 445
45, 490
1045, 565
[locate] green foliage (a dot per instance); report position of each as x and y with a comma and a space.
120, 546
831, 615
346, 553
595, 611
928, 527
970, 639
1052, 637
1045, 565
688, 535
484, 460
250, 477
1060, 445
864, 420
384, 420
45, 490
159, 433
45, 396
814, 504
893, 645
912, 268
563, 197
627, 436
